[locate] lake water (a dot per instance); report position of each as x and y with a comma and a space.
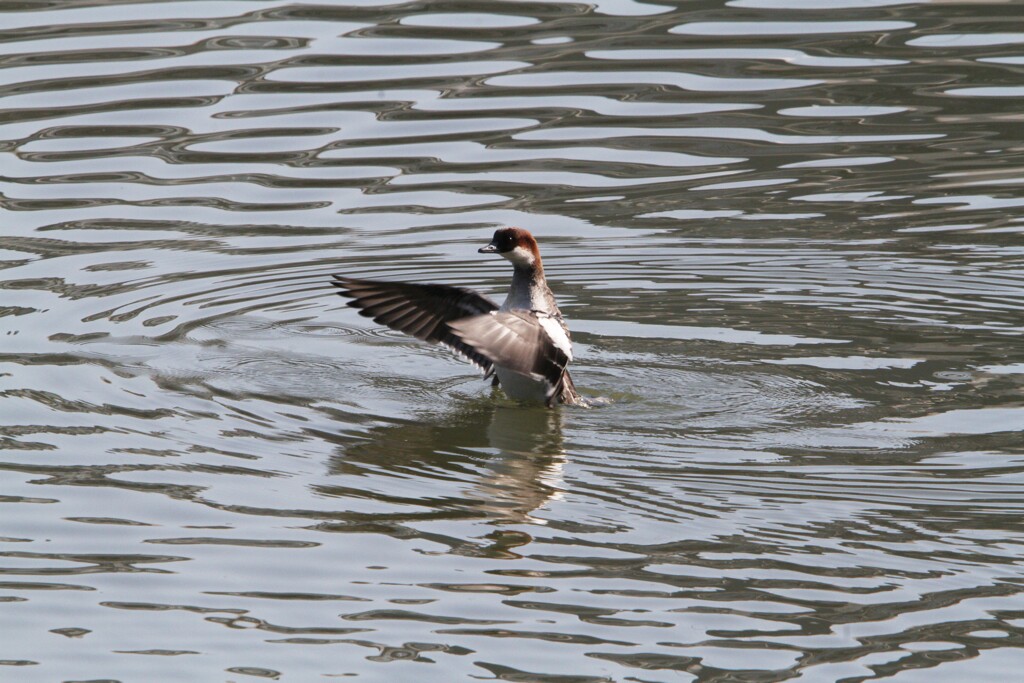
787, 235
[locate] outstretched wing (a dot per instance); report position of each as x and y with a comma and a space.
423, 311
520, 341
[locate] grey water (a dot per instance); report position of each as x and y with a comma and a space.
788, 237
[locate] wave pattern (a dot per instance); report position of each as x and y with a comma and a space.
787, 236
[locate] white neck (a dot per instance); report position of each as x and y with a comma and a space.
521, 257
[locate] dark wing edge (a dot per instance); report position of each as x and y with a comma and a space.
516, 340
421, 311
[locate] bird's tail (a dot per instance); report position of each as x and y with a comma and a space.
565, 392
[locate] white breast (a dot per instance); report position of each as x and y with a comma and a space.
521, 387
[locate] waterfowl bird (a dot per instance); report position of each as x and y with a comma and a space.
524, 343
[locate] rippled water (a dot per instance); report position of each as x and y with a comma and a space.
787, 235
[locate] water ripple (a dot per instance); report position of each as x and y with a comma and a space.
785, 235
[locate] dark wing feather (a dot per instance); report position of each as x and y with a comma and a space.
517, 341
422, 311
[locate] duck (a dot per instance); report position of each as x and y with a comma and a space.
523, 345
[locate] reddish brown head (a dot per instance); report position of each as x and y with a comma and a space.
515, 244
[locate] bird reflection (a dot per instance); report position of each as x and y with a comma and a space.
511, 457
527, 468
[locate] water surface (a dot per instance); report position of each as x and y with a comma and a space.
787, 235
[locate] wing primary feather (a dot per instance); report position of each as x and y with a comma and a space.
422, 311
